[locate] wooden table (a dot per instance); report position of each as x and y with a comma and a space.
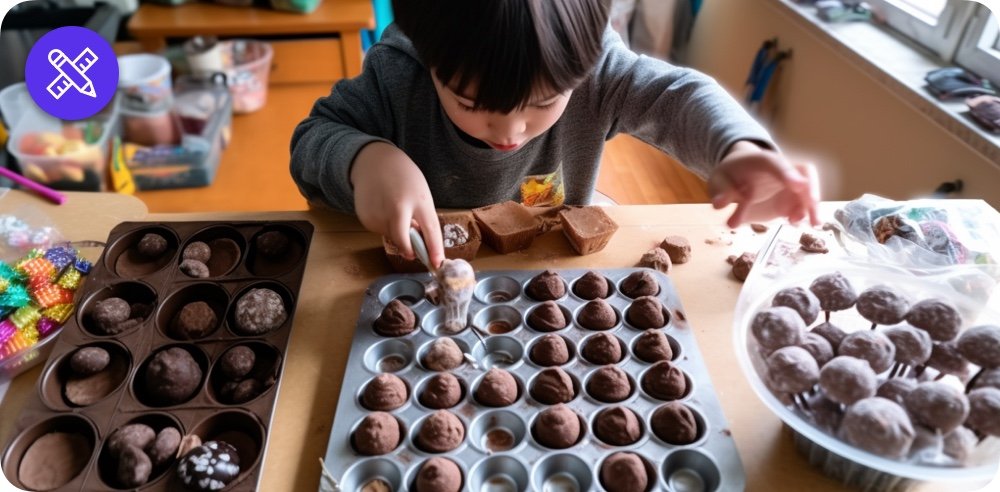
153, 24
344, 259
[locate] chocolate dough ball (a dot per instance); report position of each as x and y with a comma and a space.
441, 432
557, 427
937, 317
195, 320
657, 259
550, 350
831, 333
945, 357
792, 370
603, 349
237, 362
442, 391
378, 434
818, 347
980, 345
665, 381
640, 283
989, 378
497, 389
439, 475
590, 286
624, 472
547, 317
834, 292
826, 413
812, 243
210, 466
246, 390
163, 449
896, 389
913, 345
878, 426
386, 392
675, 423
678, 248
960, 443
553, 385
110, 313
172, 376
396, 320
609, 384
883, 306
597, 315
195, 268
546, 286
152, 245
937, 406
653, 346
803, 301
984, 411
137, 435
777, 327
742, 265
89, 360
260, 311
443, 355
646, 312
847, 380
871, 346
272, 244
134, 467
617, 426
197, 251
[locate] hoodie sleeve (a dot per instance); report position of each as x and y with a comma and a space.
678, 110
324, 145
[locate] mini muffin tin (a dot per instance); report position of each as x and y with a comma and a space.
711, 463
121, 272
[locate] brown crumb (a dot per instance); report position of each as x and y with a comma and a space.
680, 315
731, 259
742, 266
758, 227
812, 243
727, 432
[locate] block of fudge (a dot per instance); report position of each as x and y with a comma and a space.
588, 228
506, 227
461, 236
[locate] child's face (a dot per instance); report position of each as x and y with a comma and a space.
503, 132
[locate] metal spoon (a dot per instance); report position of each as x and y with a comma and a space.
420, 249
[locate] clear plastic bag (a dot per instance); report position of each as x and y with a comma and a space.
24, 229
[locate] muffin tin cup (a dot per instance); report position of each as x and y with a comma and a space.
123, 259
166, 289
16, 452
52, 385
578, 464
107, 464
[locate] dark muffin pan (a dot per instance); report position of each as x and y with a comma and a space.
710, 463
122, 272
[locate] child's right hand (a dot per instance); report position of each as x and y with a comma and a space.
391, 195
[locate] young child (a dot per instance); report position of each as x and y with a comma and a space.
463, 99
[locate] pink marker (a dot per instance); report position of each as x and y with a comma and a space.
45, 191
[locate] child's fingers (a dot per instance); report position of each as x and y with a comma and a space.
430, 229
399, 233
808, 170
739, 215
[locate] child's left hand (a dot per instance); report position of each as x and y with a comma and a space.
763, 185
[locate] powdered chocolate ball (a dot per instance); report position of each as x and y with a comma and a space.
552, 385
653, 346
134, 467
624, 472
826, 413
871, 346
878, 426
913, 345
938, 318
665, 381
597, 315
675, 423
237, 362
937, 406
396, 320
557, 427
385, 393
609, 384
550, 350
792, 370
260, 311
818, 347
834, 291
441, 432
777, 327
195, 320
152, 245
883, 306
137, 435
602, 349
617, 426
657, 259
591, 285
197, 251
847, 380
984, 411
172, 376
210, 466
742, 265
246, 390
989, 378
163, 449
89, 360
498, 388
646, 312
945, 357
378, 434
110, 313
980, 345
896, 389
638, 284
442, 391
803, 301
443, 355
195, 268
439, 475
960, 443
831, 333
272, 244
547, 317
546, 286
678, 248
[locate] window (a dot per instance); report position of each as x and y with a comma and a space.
935, 24
979, 50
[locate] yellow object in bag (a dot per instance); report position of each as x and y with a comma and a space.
121, 177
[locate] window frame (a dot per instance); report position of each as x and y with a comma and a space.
978, 50
943, 38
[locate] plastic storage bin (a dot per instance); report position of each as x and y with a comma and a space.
300, 6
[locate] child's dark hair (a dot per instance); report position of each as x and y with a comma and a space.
509, 48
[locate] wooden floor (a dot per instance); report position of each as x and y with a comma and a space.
254, 176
